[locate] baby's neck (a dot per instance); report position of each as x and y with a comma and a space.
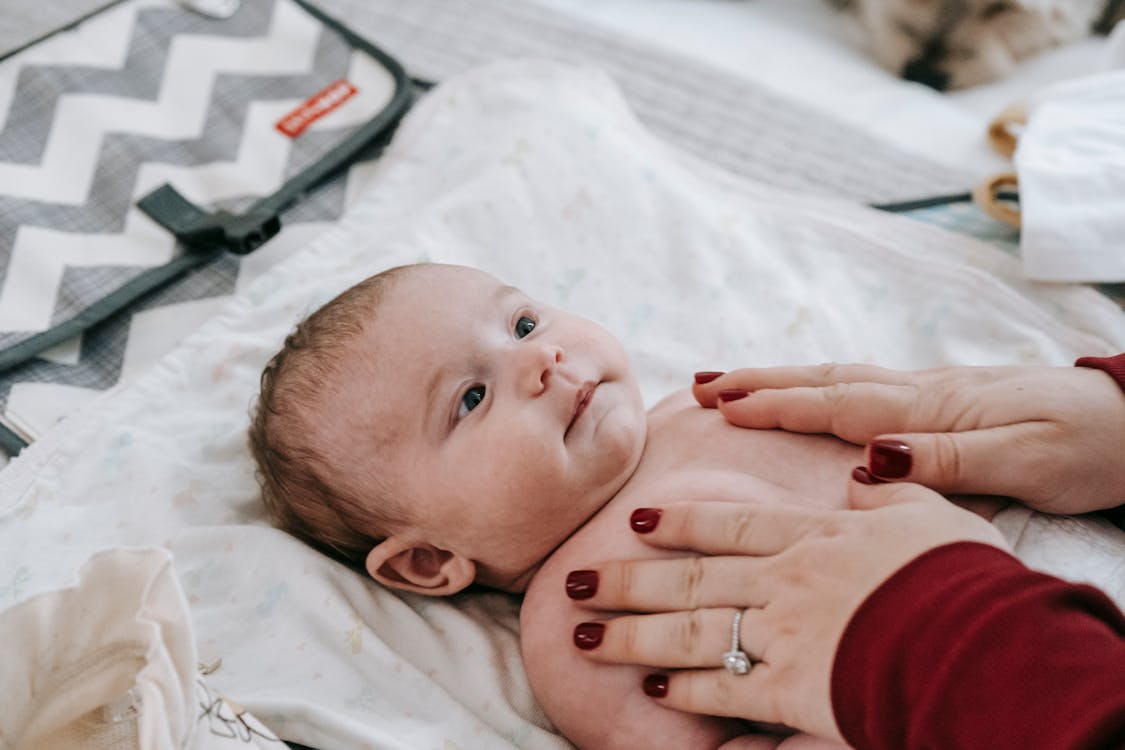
667, 454
518, 583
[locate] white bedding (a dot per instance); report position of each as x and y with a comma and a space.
539, 174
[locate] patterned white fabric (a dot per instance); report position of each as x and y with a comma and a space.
540, 174
108, 663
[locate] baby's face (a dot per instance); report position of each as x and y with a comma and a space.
501, 424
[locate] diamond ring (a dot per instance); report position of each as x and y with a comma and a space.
736, 661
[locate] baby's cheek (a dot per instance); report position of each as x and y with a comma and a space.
621, 437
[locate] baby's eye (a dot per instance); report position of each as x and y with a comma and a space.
524, 326
470, 401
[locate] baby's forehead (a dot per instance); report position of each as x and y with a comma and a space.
450, 273
445, 290
423, 322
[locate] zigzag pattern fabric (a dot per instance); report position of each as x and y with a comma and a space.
149, 92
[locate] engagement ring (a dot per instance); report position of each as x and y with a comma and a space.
736, 661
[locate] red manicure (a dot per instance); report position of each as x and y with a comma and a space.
863, 476
733, 394
706, 377
588, 635
644, 520
890, 459
581, 584
655, 685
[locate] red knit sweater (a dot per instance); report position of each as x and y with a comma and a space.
966, 648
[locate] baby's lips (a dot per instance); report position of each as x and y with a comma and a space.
582, 397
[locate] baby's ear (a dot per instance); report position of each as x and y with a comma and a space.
408, 565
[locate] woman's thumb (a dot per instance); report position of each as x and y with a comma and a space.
865, 492
987, 461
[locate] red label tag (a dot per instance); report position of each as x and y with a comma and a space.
320, 104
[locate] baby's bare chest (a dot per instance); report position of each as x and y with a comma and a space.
690, 454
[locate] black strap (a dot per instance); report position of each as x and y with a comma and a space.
937, 200
198, 230
11, 442
132, 290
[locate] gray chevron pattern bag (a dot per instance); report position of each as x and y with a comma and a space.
146, 148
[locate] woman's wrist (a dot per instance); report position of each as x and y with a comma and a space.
1112, 366
1115, 368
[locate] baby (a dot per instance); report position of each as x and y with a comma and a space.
442, 429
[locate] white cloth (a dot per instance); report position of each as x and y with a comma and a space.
109, 664
539, 174
1071, 166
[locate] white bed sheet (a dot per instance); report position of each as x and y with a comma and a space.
806, 50
538, 173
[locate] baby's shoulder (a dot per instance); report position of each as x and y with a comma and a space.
674, 402
586, 700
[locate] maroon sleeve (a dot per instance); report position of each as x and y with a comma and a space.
964, 647
1115, 368
1112, 366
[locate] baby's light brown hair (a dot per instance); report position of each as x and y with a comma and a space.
304, 492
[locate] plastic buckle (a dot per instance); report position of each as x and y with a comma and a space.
199, 230
239, 234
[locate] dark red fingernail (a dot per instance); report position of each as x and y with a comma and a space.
644, 520
588, 635
733, 394
581, 584
655, 685
706, 377
890, 459
863, 476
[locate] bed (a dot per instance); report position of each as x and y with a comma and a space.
704, 237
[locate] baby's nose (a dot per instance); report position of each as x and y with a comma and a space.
541, 363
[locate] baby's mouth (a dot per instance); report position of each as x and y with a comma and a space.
581, 401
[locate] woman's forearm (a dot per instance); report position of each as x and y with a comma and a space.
966, 648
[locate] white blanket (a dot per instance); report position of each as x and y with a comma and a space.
539, 174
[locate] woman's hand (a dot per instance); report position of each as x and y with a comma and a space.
799, 574
1049, 436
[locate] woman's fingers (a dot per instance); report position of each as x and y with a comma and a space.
1008, 460
796, 598
1039, 462
724, 528
708, 385
859, 402
697, 643
753, 696
687, 639
855, 412
1048, 436
716, 692
663, 585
